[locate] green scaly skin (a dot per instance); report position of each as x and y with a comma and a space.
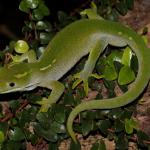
64, 51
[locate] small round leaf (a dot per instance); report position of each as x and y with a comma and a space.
21, 46
23, 6
44, 37
42, 25
32, 4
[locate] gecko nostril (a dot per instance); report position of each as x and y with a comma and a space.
11, 84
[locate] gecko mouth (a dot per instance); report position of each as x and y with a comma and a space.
29, 88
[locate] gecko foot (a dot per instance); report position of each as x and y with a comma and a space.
83, 77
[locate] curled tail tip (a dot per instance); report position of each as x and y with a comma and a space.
74, 138
72, 134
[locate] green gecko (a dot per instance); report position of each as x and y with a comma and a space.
64, 51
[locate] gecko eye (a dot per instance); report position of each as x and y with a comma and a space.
11, 84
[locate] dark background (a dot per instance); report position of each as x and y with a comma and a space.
13, 19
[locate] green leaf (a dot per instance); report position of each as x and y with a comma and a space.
43, 25
44, 37
26, 5
115, 113
99, 146
110, 72
40, 12
57, 127
32, 4
90, 115
25, 29
91, 13
31, 137
101, 114
37, 14
115, 55
110, 85
43, 119
13, 121
130, 124
100, 65
127, 113
118, 66
44, 9
118, 125
134, 123
2, 137
47, 134
128, 127
69, 98
121, 142
80, 93
87, 126
62, 16
127, 55
104, 125
16, 134
26, 116
23, 6
59, 115
126, 75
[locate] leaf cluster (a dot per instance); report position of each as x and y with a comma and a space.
111, 9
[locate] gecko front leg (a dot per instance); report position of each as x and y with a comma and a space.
57, 90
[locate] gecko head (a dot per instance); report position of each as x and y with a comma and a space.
14, 77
